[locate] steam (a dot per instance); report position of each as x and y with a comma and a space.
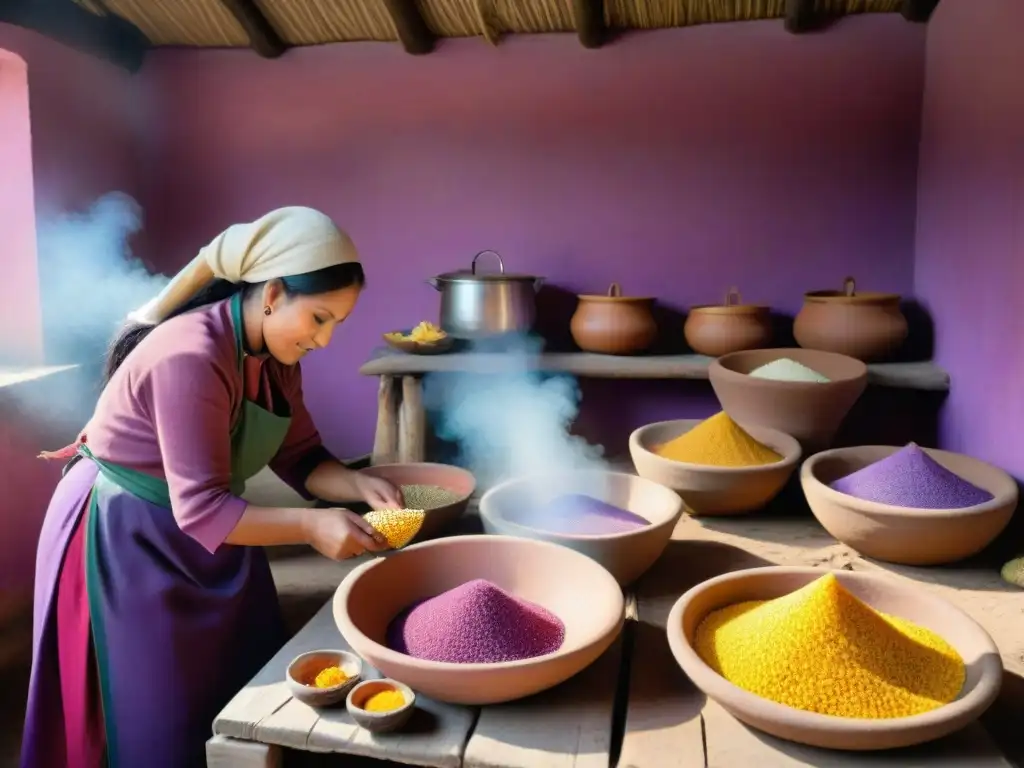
89, 281
89, 277
508, 419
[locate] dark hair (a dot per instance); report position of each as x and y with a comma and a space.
309, 284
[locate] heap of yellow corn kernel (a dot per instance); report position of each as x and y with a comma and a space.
398, 526
821, 649
424, 333
330, 677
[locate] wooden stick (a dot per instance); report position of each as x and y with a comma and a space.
799, 16
385, 441
590, 26
918, 10
412, 421
416, 37
262, 36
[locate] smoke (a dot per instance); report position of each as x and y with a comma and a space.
89, 277
89, 280
509, 419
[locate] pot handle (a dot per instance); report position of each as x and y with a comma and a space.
501, 264
849, 286
614, 290
732, 297
434, 283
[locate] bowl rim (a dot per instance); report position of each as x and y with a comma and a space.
405, 690
346, 655
790, 457
341, 594
637, 532
427, 464
720, 368
808, 477
977, 698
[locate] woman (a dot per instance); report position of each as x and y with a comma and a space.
154, 602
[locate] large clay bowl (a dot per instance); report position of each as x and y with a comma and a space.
907, 535
572, 586
809, 411
454, 479
884, 593
506, 509
709, 490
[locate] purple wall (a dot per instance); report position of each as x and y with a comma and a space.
676, 162
970, 230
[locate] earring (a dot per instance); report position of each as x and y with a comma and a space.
267, 311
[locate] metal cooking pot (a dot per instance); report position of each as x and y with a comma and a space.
482, 304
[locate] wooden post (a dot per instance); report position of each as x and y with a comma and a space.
385, 441
412, 421
222, 752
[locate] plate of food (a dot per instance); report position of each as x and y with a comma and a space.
425, 339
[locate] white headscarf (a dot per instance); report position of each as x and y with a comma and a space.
283, 243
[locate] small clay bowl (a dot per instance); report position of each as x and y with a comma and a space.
711, 490
419, 347
907, 535
504, 509
379, 722
455, 479
575, 588
812, 412
883, 593
305, 667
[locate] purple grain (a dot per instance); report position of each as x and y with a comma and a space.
476, 622
584, 515
911, 478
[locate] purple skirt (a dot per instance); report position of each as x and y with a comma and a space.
174, 631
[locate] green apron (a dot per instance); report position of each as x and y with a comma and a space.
256, 437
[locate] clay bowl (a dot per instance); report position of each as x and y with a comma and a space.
907, 535
572, 586
304, 668
884, 593
709, 490
379, 722
811, 412
418, 347
506, 509
451, 478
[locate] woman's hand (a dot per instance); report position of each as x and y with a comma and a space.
340, 534
378, 492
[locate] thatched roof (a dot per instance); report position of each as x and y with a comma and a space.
271, 26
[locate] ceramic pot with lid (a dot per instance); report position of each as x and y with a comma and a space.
478, 304
868, 326
718, 329
614, 324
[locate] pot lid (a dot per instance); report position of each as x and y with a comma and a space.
475, 275
614, 295
733, 305
850, 295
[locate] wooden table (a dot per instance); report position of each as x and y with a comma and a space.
401, 418
633, 708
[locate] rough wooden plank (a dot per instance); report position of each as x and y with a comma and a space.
265, 712
412, 421
568, 726
385, 439
222, 752
390, 362
731, 744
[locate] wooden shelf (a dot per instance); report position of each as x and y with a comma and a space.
388, 362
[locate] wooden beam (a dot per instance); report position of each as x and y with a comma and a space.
108, 37
262, 36
918, 10
590, 26
800, 16
416, 37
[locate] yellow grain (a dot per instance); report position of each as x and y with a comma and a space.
821, 649
330, 677
398, 526
385, 701
718, 441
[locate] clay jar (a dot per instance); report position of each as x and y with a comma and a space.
613, 324
867, 326
718, 329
